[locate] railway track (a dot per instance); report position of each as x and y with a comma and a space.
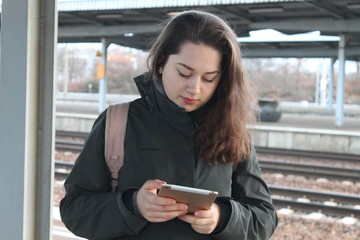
270, 166
353, 158
328, 203
276, 151
317, 207
310, 170
70, 134
67, 145
342, 204
330, 197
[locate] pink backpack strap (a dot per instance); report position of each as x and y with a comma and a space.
116, 119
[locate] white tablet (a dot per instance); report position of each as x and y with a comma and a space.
195, 198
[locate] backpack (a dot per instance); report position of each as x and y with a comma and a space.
115, 128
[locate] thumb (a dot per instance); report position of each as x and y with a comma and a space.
153, 184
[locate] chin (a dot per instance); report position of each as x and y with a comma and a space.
191, 109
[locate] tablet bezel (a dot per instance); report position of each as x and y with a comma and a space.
195, 198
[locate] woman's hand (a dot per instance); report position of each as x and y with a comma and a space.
155, 208
204, 221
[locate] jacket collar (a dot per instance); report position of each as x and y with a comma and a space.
156, 99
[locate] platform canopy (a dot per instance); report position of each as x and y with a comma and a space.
134, 23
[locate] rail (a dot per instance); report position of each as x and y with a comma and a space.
354, 158
310, 170
271, 166
284, 197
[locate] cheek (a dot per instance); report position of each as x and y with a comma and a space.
167, 90
211, 91
169, 84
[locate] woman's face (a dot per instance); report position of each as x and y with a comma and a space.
191, 76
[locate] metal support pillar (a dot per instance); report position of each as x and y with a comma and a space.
28, 38
66, 71
331, 84
102, 81
323, 84
317, 84
340, 88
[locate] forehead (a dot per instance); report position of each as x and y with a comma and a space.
198, 56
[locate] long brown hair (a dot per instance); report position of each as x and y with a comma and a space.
222, 133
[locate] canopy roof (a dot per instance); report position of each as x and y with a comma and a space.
135, 23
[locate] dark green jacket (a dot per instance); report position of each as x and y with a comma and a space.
158, 145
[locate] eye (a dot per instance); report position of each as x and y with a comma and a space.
208, 80
184, 75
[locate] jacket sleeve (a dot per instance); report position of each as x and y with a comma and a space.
89, 208
253, 215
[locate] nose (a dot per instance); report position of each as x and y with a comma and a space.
193, 85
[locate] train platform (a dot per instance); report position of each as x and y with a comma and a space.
301, 127
295, 114
309, 133
314, 121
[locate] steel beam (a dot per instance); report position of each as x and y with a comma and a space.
297, 53
305, 25
102, 80
105, 31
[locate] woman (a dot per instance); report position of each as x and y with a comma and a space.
188, 128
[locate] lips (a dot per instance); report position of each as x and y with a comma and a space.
189, 100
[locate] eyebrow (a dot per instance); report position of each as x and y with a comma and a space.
190, 68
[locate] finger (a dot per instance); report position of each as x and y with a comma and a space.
201, 222
203, 229
160, 219
204, 214
155, 216
167, 215
170, 208
153, 184
200, 225
163, 201
153, 211
188, 218
203, 225
204, 221
150, 207
155, 200
196, 217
